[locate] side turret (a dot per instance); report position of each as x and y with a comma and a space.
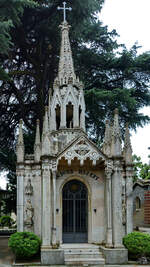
107, 139
46, 149
127, 150
116, 142
20, 145
37, 145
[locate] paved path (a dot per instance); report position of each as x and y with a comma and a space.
6, 256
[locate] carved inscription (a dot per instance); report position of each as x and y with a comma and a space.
81, 172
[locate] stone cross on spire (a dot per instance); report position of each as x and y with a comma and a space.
64, 8
66, 72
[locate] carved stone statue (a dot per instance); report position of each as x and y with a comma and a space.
29, 188
29, 211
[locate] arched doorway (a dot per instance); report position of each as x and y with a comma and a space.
75, 212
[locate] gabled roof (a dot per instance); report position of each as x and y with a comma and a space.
82, 148
142, 183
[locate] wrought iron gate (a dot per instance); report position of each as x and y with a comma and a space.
75, 210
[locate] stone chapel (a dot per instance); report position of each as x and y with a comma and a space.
75, 196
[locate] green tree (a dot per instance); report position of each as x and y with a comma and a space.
10, 12
141, 170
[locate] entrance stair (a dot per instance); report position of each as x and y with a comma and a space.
83, 254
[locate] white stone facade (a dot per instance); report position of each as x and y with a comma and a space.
65, 153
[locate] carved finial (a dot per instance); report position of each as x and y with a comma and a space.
107, 139
37, 145
116, 148
127, 151
37, 137
45, 122
20, 137
20, 144
45, 135
116, 111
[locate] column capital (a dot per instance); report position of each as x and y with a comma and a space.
118, 165
45, 168
109, 168
20, 173
129, 171
54, 165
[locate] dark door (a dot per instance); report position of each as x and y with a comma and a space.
75, 210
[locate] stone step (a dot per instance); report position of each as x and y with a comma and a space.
82, 250
79, 246
82, 254
85, 261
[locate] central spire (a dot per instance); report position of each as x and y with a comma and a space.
66, 69
66, 72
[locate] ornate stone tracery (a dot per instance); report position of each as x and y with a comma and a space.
82, 150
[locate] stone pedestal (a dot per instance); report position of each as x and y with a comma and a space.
52, 256
115, 255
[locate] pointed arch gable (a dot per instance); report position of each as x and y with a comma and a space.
70, 96
82, 149
56, 100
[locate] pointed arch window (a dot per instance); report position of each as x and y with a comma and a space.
138, 203
80, 111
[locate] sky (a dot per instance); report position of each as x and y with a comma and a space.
131, 20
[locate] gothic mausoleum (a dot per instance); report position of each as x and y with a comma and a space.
75, 196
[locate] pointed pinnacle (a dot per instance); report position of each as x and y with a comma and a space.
37, 137
107, 132
20, 137
45, 123
116, 111
127, 151
127, 140
116, 127
116, 141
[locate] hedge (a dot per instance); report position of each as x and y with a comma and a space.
138, 244
24, 244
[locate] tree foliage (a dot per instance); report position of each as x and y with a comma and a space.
10, 12
141, 170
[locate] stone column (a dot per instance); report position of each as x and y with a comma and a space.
82, 119
20, 201
117, 204
46, 209
54, 210
129, 199
53, 120
75, 116
108, 172
63, 116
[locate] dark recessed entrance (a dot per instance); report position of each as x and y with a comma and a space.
75, 212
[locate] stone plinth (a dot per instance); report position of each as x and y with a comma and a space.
52, 256
115, 255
